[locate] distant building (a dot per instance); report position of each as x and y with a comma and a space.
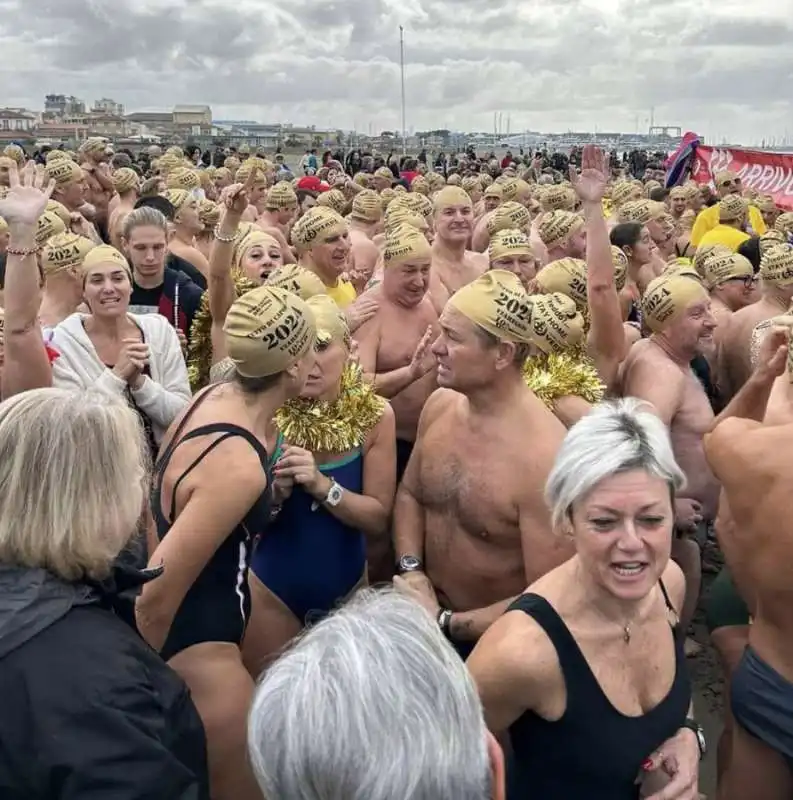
60, 105
108, 107
16, 124
193, 120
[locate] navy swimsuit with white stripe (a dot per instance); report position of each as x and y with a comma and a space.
217, 606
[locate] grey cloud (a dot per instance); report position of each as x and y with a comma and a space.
548, 64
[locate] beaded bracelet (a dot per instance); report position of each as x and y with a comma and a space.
221, 238
23, 251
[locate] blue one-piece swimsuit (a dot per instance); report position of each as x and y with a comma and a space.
307, 557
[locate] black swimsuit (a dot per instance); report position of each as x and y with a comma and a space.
217, 606
593, 751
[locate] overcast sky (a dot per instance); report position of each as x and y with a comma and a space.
720, 67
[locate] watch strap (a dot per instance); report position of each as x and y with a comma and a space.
699, 732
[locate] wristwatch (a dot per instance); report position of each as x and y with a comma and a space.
444, 622
335, 493
409, 564
699, 732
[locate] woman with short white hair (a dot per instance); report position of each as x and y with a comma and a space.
372, 704
89, 710
586, 670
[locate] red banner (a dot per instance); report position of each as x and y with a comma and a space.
768, 173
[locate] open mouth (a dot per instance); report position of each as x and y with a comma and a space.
109, 301
629, 569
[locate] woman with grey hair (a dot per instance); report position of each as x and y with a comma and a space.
372, 704
586, 670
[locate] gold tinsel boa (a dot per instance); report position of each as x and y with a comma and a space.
561, 374
199, 354
333, 426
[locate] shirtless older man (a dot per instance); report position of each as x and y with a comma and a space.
394, 345
563, 235
471, 528
364, 222
740, 341
453, 266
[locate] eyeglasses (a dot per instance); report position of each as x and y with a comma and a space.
730, 182
748, 282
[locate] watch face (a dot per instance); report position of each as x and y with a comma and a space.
409, 564
335, 495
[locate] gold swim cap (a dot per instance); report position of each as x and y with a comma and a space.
769, 239
297, 280
405, 244
256, 238
451, 196
367, 206
725, 177
510, 242
678, 193
183, 178
95, 145
49, 224
317, 226
209, 213
558, 226
400, 215
125, 180
334, 200
558, 198
281, 196
63, 171
486, 180
784, 223
641, 211
720, 269
704, 252
494, 190
384, 173
177, 197
267, 330
509, 189
667, 297
65, 251
454, 179
776, 266
556, 323
765, 203
732, 208
420, 185
104, 254
497, 303
17, 153
330, 320
509, 215
620, 262
386, 196
471, 184
566, 276
262, 168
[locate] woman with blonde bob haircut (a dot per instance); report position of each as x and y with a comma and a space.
596, 638
72, 484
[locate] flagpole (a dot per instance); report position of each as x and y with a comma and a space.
402, 74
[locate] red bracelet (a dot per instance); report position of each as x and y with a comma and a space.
23, 251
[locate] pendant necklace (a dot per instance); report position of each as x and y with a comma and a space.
626, 633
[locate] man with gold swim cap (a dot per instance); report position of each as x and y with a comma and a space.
394, 345
732, 285
511, 250
731, 228
95, 154
453, 265
741, 338
364, 223
471, 528
126, 183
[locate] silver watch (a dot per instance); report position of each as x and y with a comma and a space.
335, 493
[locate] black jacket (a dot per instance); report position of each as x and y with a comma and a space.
89, 711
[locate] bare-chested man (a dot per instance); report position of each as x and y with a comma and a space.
95, 154
365, 221
740, 340
563, 235
394, 346
511, 214
471, 526
126, 182
752, 460
280, 209
453, 266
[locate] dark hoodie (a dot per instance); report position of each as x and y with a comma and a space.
89, 710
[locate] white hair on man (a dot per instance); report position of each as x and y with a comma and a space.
372, 704
615, 436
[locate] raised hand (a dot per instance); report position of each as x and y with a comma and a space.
236, 197
27, 197
590, 184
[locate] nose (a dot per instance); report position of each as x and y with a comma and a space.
629, 540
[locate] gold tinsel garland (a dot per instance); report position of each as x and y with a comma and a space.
199, 353
333, 426
561, 374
